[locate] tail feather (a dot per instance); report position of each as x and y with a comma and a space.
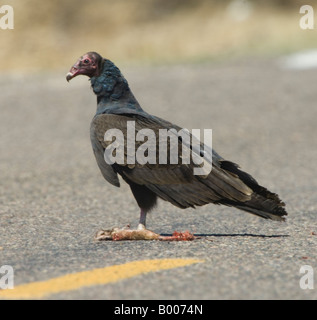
263, 202
264, 208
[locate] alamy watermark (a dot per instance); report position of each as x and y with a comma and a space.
6, 277
6, 17
307, 280
159, 147
307, 20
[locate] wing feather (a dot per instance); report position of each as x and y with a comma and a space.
175, 183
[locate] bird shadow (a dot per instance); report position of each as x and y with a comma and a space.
205, 235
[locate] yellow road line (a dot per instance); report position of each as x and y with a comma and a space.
93, 277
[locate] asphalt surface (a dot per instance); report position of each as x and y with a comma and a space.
53, 197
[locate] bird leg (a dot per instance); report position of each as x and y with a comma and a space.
142, 221
141, 233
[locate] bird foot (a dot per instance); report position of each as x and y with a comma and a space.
126, 233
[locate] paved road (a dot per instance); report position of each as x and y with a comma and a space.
53, 198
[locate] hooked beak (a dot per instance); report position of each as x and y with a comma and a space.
73, 72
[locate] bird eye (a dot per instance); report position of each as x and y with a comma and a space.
86, 61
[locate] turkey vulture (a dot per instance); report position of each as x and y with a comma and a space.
173, 181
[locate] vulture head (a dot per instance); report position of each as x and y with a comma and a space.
90, 64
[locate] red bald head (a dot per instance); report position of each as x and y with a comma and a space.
89, 64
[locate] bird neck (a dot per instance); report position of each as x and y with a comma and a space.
111, 88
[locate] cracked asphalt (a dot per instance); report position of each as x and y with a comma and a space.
53, 197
